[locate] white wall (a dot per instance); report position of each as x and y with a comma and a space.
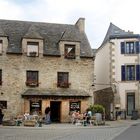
102, 67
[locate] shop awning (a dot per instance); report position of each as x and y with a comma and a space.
56, 93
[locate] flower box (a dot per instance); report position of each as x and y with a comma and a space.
33, 54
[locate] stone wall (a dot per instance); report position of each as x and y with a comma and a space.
14, 69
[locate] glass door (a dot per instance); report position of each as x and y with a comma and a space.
130, 103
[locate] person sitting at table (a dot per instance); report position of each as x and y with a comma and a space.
26, 115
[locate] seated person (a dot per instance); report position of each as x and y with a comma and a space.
26, 115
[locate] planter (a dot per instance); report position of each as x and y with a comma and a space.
8, 123
33, 54
30, 123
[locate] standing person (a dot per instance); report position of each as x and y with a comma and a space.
47, 113
1, 116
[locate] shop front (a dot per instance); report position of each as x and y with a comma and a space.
61, 103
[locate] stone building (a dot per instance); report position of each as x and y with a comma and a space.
117, 71
45, 64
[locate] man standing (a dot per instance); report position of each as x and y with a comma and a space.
47, 113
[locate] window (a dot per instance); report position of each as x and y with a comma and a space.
0, 77
63, 79
3, 104
130, 47
32, 78
69, 51
35, 107
1, 46
128, 72
75, 106
32, 49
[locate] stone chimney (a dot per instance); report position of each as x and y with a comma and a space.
81, 24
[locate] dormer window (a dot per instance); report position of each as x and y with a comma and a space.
69, 51
1, 46
32, 49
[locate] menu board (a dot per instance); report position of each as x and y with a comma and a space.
74, 106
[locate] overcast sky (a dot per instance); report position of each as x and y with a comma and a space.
97, 13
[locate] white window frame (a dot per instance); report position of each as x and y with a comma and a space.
33, 49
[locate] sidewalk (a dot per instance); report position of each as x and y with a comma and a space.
108, 124
121, 123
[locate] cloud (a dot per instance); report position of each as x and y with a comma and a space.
98, 14
9, 10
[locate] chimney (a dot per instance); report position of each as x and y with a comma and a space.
81, 24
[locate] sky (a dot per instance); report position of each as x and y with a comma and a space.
97, 13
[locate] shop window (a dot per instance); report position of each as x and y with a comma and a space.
32, 78
1, 46
75, 106
35, 107
32, 49
69, 51
3, 104
63, 80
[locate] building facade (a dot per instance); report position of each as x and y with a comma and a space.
117, 66
45, 64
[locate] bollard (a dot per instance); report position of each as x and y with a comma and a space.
85, 123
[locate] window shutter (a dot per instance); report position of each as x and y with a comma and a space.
122, 47
137, 72
137, 47
123, 72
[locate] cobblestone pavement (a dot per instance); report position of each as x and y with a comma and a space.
60, 133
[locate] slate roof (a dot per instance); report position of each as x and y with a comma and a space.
116, 32
58, 93
51, 34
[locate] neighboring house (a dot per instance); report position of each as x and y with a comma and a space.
45, 64
117, 72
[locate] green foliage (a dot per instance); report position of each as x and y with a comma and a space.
96, 108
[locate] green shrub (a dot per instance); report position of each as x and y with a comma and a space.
96, 108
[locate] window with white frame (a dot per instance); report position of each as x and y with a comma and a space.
130, 47
33, 49
1, 45
129, 72
69, 51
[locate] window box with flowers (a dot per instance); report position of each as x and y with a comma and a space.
32, 83
63, 84
33, 54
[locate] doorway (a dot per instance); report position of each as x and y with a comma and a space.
130, 103
55, 111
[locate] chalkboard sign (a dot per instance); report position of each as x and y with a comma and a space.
74, 106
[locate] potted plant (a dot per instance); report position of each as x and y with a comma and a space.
98, 111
